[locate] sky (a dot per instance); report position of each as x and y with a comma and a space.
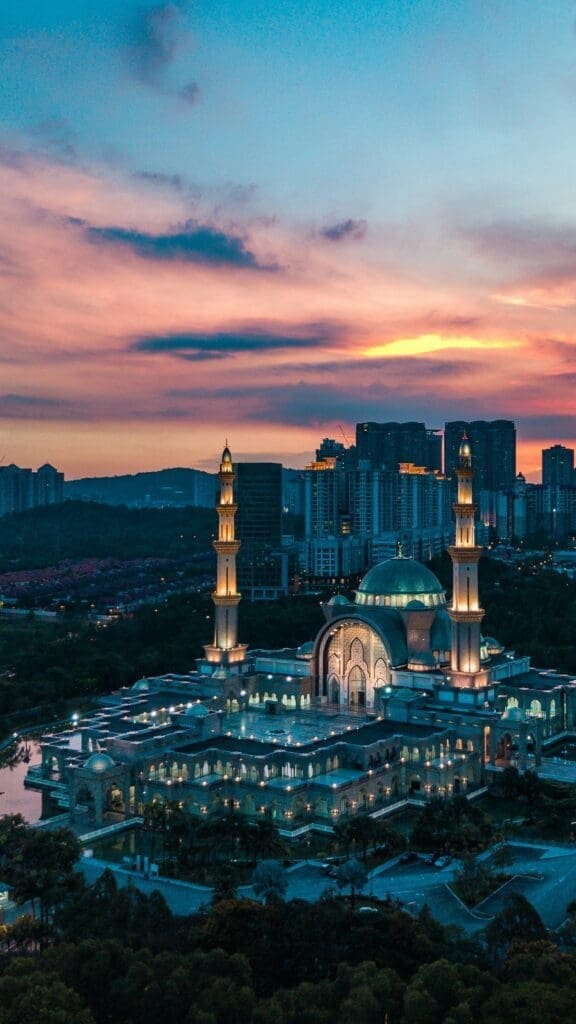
267, 220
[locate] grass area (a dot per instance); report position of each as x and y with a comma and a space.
481, 890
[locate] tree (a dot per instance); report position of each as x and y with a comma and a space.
264, 840
511, 782
39, 996
352, 874
37, 863
517, 920
454, 823
270, 881
224, 878
474, 880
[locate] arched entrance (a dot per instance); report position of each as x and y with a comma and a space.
356, 687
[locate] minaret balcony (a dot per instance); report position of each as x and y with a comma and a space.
466, 616
226, 547
226, 600
465, 508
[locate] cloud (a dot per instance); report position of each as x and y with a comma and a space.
57, 137
523, 240
345, 229
29, 400
160, 35
547, 426
199, 345
191, 243
322, 405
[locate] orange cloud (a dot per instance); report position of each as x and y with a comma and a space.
95, 262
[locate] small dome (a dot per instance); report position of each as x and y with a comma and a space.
338, 599
197, 711
305, 650
492, 645
415, 605
399, 581
99, 763
514, 715
142, 686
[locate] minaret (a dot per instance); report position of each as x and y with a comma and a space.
226, 651
466, 613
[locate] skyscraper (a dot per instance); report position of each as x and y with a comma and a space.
389, 444
493, 448
558, 466
22, 488
262, 567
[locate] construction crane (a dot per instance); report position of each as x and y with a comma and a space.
346, 439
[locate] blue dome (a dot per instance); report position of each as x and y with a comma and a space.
99, 763
399, 582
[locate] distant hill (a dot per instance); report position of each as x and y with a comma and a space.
45, 536
166, 487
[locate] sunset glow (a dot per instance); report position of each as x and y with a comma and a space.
268, 221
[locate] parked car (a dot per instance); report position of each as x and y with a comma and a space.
442, 862
410, 857
329, 869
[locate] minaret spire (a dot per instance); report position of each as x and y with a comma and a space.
226, 651
466, 613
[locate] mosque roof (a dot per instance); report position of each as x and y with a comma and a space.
441, 631
99, 763
142, 685
401, 578
197, 711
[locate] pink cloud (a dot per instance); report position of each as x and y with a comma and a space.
73, 315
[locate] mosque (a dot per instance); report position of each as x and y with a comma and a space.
399, 697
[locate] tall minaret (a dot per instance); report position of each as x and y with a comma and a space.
226, 651
466, 613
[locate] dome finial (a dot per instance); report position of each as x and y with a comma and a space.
465, 451
226, 461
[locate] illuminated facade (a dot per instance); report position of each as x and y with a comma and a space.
226, 654
398, 697
465, 612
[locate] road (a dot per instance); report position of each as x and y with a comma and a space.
546, 875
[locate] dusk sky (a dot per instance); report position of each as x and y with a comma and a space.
264, 219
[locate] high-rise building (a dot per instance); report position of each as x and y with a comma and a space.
330, 449
48, 486
324, 484
558, 466
434, 450
493, 447
22, 488
389, 444
262, 566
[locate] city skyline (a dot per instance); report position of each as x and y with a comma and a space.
273, 223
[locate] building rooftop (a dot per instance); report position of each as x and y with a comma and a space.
538, 679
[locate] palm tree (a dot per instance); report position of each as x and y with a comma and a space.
351, 874
265, 841
270, 881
